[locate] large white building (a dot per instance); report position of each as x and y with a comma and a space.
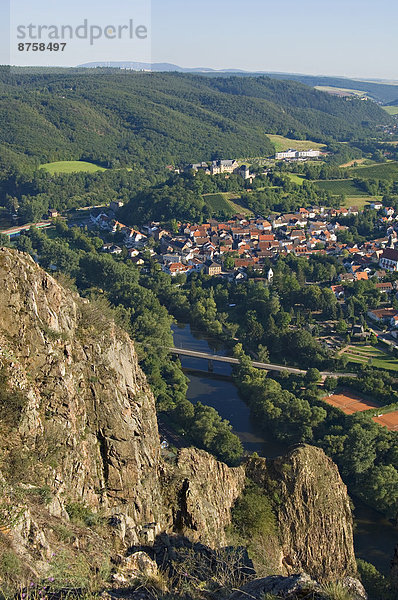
294, 154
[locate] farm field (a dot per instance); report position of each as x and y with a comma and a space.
354, 162
392, 110
349, 402
363, 354
239, 208
381, 171
282, 143
339, 186
71, 166
227, 202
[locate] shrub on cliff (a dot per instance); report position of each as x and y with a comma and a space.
252, 514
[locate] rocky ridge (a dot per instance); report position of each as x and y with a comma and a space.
87, 434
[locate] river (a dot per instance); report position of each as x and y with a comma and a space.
374, 536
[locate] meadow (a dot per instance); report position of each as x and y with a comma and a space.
359, 201
298, 179
71, 166
282, 143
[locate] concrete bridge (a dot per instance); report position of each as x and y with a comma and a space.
257, 365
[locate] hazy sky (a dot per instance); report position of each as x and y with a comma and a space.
333, 37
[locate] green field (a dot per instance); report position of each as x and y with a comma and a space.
226, 202
381, 171
340, 186
359, 201
298, 179
282, 143
392, 110
363, 354
71, 166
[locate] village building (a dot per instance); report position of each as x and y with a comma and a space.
212, 268
389, 259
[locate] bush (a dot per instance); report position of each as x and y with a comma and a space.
82, 515
252, 515
13, 571
335, 591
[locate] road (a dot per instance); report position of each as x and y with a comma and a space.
257, 365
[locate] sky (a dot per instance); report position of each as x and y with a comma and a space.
354, 38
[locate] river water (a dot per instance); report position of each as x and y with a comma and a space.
374, 536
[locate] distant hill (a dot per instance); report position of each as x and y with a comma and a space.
141, 66
380, 90
115, 117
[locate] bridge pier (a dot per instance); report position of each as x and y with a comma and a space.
210, 366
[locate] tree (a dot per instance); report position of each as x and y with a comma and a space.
381, 485
228, 263
341, 327
263, 354
330, 384
312, 376
252, 514
24, 244
359, 451
4, 240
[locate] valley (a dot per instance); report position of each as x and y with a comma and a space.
136, 213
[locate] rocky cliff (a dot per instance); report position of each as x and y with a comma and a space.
89, 420
313, 511
78, 427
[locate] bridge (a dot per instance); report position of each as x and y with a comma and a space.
257, 365
16, 231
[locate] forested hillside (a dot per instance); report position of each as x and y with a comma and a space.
118, 118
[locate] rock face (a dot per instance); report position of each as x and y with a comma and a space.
313, 511
294, 587
280, 587
89, 403
87, 436
207, 492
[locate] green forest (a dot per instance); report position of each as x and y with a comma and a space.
119, 118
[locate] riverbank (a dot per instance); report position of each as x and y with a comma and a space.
375, 537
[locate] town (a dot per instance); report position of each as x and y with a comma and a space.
242, 247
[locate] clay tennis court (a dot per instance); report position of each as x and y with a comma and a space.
389, 420
349, 402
